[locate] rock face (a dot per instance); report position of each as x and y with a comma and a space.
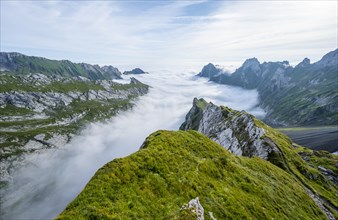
235, 131
21, 64
243, 135
38, 112
300, 95
41, 101
134, 71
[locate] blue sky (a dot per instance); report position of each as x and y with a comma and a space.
169, 33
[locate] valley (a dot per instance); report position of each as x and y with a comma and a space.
173, 110
315, 138
57, 130
68, 169
39, 112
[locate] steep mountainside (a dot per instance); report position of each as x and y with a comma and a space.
306, 94
134, 71
17, 63
185, 175
39, 112
162, 180
244, 135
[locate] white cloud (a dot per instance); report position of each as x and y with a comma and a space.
43, 189
108, 32
268, 30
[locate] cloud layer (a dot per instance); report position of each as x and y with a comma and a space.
44, 188
170, 33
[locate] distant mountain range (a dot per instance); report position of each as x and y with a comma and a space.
306, 94
18, 63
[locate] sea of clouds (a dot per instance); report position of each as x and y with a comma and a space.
54, 178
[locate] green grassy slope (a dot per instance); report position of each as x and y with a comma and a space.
316, 171
306, 171
21, 64
174, 167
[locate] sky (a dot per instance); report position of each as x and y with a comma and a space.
170, 33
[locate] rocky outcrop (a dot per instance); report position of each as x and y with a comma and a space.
284, 90
235, 131
40, 101
195, 207
243, 135
135, 71
39, 112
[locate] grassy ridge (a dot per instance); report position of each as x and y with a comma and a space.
174, 167
305, 172
21, 65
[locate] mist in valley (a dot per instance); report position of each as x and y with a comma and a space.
54, 178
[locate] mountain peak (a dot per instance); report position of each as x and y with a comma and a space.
304, 63
209, 71
134, 71
329, 59
235, 131
250, 62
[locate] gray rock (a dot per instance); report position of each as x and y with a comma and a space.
282, 87
235, 131
195, 206
40, 101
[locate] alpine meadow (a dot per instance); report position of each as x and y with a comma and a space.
182, 109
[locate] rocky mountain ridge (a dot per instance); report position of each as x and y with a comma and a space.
38, 112
235, 131
17, 63
244, 135
174, 167
300, 95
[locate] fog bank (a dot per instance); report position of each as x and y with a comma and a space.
54, 178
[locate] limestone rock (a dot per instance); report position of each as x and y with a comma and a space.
195, 206
235, 131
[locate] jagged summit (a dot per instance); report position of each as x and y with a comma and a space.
284, 90
329, 59
209, 71
235, 131
304, 63
251, 63
134, 71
